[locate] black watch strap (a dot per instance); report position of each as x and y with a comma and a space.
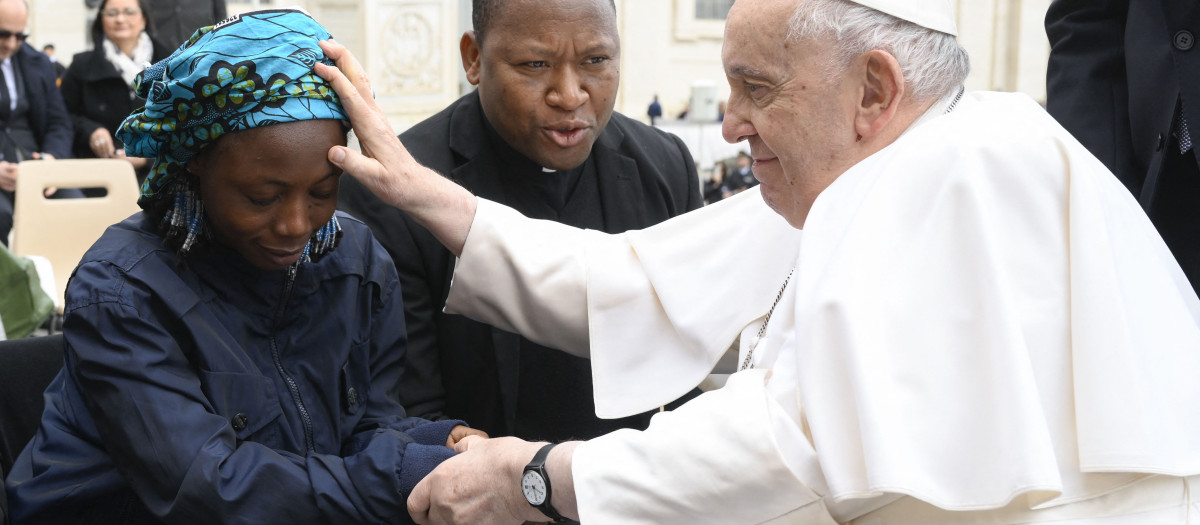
538, 463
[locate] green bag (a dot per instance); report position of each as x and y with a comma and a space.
23, 304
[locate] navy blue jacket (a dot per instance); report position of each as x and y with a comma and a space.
47, 112
215, 392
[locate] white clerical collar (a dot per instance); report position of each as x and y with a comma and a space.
548, 170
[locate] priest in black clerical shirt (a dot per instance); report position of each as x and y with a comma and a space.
539, 134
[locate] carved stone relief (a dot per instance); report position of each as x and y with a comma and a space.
410, 49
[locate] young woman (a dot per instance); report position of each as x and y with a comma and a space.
231, 351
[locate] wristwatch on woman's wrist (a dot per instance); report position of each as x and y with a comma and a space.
535, 484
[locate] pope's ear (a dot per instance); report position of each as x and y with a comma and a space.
882, 91
468, 47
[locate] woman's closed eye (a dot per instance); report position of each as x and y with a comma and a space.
263, 201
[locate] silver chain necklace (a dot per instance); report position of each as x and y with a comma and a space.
763, 330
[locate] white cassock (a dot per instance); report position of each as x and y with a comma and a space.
983, 327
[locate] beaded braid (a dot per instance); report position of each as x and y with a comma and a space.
183, 223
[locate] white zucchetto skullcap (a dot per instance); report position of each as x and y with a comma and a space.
937, 15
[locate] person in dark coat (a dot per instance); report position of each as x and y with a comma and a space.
175, 20
35, 122
538, 134
98, 87
231, 351
1124, 79
716, 188
59, 69
655, 111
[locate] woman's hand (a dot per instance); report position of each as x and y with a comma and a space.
385, 167
458, 433
8, 176
101, 143
137, 162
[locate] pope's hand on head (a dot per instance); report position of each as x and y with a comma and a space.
385, 167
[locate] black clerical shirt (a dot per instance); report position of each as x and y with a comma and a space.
554, 397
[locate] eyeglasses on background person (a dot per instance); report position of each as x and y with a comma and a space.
128, 11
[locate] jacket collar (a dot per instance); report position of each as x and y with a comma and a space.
97, 67
620, 191
26, 55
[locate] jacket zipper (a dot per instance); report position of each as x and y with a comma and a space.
305, 417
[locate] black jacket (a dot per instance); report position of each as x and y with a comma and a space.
176, 20
467, 370
97, 97
47, 113
1119, 73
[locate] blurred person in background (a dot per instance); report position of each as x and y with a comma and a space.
98, 87
742, 174
714, 187
175, 20
35, 120
59, 69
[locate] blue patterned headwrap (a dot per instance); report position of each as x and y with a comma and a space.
247, 71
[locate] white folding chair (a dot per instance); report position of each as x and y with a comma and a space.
61, 230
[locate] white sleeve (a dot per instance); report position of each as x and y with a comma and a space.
644, 305
715, 460
526, 276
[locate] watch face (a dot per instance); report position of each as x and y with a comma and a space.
534, 487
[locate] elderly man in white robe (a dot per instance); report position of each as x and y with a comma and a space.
946, 311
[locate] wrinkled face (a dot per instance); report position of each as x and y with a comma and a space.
267, 190
799, 126
128, 22
13, 18
547, 72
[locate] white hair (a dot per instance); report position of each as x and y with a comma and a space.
932, 62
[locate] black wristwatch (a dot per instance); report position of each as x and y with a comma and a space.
535, 483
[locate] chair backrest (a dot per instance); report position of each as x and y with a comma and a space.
27, 366
61, 230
